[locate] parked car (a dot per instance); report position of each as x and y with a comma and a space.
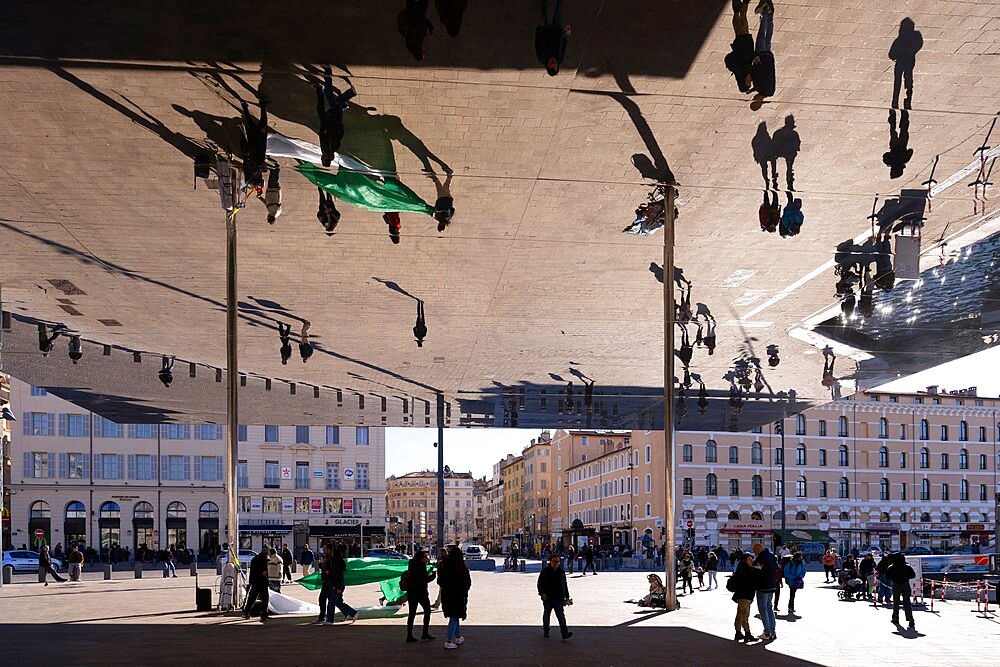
244, 556
475, 552
385, 553
812, 551
874, 550
23, 560
917, 551
965, 549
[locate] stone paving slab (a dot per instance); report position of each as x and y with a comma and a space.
150, 621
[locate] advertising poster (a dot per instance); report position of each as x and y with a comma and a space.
317, 505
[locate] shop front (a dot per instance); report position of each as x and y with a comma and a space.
884, 535
742, 534
256, 534
938, 538
975, 533
351, 533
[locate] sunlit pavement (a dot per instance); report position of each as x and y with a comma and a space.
152, 621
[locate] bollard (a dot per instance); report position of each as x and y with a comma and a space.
137, 569
522, 566
8, 573
218, 567
294, 567
107, 571
194, 568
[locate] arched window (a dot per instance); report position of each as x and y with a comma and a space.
734, 515
756, 516
756, 454
687, 453
40, 510
76, 510
711, 452
208, 510
734, 455
800, 424
944, 461
945, 492
779, 456
945, 517
925, 430
711, 486
801, 516
649, 484
964, 517
842, 459
963, 430
734, 487
844, 516
756, 486
842, 426
884, 517
176, 510
649, 454
963, 490
687, 515
925, 490
823, 516
776, 516
800, 454
143, 510
883, 489
800, 487
845, 487
883, 457
963, 459
111, 510
883, 428
635, 484
925, 458
925, 517
944, 432
711, 515
904, 517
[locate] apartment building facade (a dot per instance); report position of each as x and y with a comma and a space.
409, 495
512, 473
80, 478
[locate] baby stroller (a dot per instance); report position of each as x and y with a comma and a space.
851, 588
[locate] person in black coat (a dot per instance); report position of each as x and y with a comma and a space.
554, 592
455, 581
743, 584
417, 578
258, 585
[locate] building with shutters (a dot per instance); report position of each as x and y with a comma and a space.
80, 478
415, 495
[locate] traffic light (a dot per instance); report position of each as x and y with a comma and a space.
409, 526
691, 534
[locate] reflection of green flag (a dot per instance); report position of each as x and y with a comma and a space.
365, 191
363, 571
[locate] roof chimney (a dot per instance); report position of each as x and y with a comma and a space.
932, 390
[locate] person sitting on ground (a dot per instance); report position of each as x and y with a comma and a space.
657, 591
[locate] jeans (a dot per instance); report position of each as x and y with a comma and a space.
324, 597
764, 32
791, 598
74, 571
686, 583
454, 628
765, 602
334, 602
168, 568
414, 599
711, 579
549, 606
44, 571
742, 622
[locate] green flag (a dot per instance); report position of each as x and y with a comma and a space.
363, 571
366, 191
391, 591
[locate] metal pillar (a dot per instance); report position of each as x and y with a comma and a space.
232, 401
440, 448
1, 446
669, 518
780, 425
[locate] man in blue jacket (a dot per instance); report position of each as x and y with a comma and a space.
767, 570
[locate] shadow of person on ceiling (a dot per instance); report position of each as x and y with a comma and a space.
787, 144
657, 271
225, 133
551, 37
414, 26
420, 328
450, 13
904, 53
899, 153
394, 286
186, 146
764, 155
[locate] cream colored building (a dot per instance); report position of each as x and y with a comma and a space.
537, 491
570, 448
512, 473
875, 468
78, 477
409, 495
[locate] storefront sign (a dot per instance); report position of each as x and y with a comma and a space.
745, 527
975, 527
286, 472
336, 521
317, 505
287, 505
317, 473
348, 505
890, 528
348, 473
125, 497
256, 505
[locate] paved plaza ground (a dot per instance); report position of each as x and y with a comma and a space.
152, 621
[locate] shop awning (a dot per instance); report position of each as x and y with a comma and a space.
797, 535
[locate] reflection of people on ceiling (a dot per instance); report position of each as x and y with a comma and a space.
787, 145
702, 397
866, 302
686, 351
550, 38
710, 335
330, 106
327, 213
828, 360
741, 55
770, 212
885, 275
772, 356
272, 196
45, 341
792, 217
75, 349
414, 26
444, 205
420, 328
904, 53
284, 335
899, 152
253, 144
166, 374
684, 307
450, 14
395, 224
762, 65
764, 155
569, 396
588, 395
305, 347
847, 305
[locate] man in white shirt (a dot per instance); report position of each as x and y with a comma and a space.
272, 196
274, 568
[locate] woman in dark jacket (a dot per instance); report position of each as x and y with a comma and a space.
455, 582
743, 584
417, 578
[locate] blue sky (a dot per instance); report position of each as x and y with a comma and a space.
465, 449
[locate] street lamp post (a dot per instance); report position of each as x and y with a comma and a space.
669, 519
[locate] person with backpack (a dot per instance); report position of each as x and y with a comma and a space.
794, 572
900, 573
743, 585
791, 218
414, 581
455, 582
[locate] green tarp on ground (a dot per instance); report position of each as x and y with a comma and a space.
364, 571
364, 191
798, 535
